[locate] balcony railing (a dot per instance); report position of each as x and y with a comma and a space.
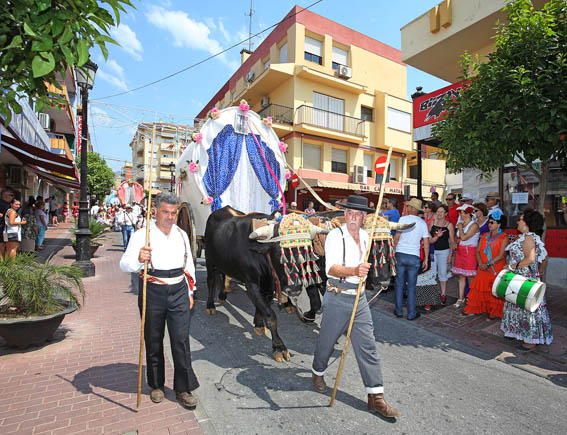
330, 120
281, 114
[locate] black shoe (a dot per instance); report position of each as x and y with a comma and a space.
417, 316
398, 315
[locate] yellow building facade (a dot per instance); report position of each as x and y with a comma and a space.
336, 97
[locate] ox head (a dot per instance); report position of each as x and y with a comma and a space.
291, 251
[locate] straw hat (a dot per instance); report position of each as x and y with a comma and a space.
415, 203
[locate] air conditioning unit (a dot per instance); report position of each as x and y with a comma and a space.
250, 76
14, 175
360, 174
265, 101
44, 120
344, 72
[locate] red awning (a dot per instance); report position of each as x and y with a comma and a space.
55, 168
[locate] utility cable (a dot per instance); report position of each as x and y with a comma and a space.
210, 57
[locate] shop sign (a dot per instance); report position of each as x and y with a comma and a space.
429, 108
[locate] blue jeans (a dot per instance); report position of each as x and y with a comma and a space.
40, 235
407, 271
127, 231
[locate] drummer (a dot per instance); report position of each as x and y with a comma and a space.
527, 256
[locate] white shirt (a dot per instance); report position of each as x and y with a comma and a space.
167, 251
94, 210
136, 210
353, 257
494, 208
126, 218
410, 239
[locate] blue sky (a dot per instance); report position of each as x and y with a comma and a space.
161, 37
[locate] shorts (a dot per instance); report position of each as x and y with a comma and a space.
11, 237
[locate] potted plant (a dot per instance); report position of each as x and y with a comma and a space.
99, 231
35, 297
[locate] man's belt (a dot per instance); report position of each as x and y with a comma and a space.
170, 280
335, 286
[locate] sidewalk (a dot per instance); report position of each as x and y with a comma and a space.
85, 380
485, 334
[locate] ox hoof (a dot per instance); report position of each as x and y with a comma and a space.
222, 301
261, 331
210, 311
290, 310
281, 356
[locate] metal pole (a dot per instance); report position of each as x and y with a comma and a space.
83, 234
419, 172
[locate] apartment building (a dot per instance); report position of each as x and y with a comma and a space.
336, 97
170, 141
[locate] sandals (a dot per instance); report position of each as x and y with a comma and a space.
523, 349
443, 299
460, 303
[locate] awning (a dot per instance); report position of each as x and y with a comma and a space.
54, 168
374, 188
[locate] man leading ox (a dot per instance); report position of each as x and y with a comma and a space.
345, 250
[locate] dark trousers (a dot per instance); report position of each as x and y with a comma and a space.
168, 304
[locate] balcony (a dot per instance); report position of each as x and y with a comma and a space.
280, 114
335, 125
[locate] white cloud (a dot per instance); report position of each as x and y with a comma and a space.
189, 33
126, 37
115, 76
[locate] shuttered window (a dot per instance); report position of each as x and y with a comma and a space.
340, 57
311, 157
313, 50
328, 112
339, 160
399, 120
369, 164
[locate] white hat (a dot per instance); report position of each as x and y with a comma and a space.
467, 208
467, 196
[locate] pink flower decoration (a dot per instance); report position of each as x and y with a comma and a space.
283, 147
267, 121
287, 174
208, 200
244, 106
193, 167
198, 137
215, 113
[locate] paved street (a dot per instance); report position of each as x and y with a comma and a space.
440, 385
446, 373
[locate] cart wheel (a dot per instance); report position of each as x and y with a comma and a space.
186, 221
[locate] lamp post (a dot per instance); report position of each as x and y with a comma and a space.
85, 79
172, 173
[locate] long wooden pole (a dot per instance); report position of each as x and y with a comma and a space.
145, 279
362, 280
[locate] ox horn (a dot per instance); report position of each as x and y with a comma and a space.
263, 233
314, 230
398, 226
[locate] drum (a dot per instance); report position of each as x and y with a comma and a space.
527, 293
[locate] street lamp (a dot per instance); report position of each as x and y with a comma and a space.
418, 93
85, 79
172, 173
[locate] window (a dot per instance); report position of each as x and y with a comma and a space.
340, 57
313, 50
366, 113
369, 163
521, 191
328, 112
267, 63
283, 53
393, 170
311, 157
413, 172
339, 161
399, 120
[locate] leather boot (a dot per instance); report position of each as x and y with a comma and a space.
319, 383
377, 403
186, 399
157, 395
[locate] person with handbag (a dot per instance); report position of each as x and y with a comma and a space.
527, 256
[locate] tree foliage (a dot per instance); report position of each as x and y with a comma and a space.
39, 39
514, 104
100, 178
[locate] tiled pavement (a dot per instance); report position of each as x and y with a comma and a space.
85, 381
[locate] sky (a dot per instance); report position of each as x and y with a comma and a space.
161, 37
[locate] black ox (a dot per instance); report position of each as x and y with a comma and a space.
231, 249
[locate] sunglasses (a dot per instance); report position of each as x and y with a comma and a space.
450, 199
492, 222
